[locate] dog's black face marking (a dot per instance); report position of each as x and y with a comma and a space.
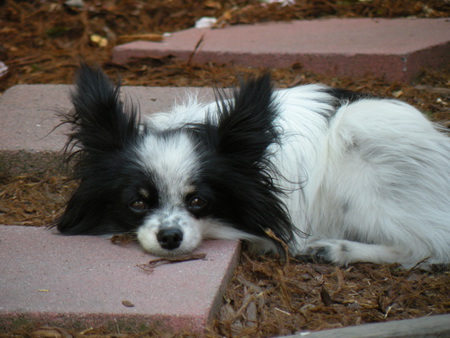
110, 202
198, 204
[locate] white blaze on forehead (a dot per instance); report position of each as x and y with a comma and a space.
172, 162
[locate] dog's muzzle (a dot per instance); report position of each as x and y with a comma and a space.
170, 232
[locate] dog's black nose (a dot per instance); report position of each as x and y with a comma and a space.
170, 238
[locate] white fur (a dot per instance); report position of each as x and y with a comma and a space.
177, 161
370, 182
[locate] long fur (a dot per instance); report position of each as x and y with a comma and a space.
338, 176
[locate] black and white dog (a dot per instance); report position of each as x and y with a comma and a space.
334, 174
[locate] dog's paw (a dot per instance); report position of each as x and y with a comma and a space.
327, 251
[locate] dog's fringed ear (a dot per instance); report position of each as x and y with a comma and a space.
98, 121
245, 123
100, 127
241, 137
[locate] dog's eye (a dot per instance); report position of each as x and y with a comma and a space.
196, 204
138, 205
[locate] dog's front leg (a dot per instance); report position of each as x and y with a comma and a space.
344, 252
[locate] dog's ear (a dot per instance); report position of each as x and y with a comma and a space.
245, 122
101, 127
98, 120
239, 140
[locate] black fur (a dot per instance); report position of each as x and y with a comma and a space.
235, 161
104, 132
345, 96
233, 148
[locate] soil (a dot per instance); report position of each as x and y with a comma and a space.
43, 42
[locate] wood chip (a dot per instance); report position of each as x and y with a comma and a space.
127, 303
325, 296
140, 37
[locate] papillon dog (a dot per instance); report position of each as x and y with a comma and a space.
331, 174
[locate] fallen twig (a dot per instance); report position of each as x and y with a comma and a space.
197, 46
272, 235
151, 265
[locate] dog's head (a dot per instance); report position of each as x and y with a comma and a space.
174, 186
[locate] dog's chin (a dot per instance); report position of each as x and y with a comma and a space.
160, 252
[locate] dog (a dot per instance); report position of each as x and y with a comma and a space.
335, 175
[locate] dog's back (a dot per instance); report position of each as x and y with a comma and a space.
376, 185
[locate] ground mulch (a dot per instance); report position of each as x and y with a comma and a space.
43, 42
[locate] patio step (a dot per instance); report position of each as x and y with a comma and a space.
394, 49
